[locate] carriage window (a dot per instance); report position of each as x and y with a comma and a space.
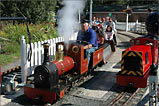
146, 57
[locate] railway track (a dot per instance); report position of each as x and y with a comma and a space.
10, 78
126, 97
14, 69
123, 98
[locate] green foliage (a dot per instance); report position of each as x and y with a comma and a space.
10, 48
9, 52
38, 32
4, 59
36, 11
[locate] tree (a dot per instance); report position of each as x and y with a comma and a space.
35, 10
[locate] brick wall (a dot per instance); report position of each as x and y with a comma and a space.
121, 16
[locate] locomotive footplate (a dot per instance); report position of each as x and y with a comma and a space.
43, 94
50, 96
137, 81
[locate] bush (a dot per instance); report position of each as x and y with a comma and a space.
9, 52
10, 48
38, 32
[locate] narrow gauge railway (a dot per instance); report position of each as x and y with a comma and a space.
126, 96
9, 79
26, 101
123, 42
14, 69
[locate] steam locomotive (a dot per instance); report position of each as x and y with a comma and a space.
52, 79
138, 61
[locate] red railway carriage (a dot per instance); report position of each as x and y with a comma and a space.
137, 61
52, 78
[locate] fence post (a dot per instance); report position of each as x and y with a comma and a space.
136, 25
23, 60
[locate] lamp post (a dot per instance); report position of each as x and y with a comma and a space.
127, 16
90, 15
79, 15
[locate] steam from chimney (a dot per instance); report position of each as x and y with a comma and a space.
68, 17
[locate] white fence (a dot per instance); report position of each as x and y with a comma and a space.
37, 54
132, 26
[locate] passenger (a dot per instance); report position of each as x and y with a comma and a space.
99, 25
100, 21
109, 33
113, 24
89, 35
103, 20
97, 21
100, 38
114, 30
107, 22
94, 21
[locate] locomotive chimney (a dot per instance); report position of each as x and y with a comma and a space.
46, 53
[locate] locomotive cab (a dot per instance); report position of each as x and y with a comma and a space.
148, 41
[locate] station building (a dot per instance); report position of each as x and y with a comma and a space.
117, 12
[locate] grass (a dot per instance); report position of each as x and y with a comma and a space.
6, 59
9, 53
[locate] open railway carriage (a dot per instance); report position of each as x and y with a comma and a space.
53, 78
137, 61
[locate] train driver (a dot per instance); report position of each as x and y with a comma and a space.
89, 35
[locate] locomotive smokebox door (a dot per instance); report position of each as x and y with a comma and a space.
46, 76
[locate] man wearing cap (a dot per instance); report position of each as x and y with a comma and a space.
89, 35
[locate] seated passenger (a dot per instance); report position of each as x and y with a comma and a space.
100, 38
89, 35
109, 33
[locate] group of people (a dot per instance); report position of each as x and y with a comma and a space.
93, 35
100, 31
108, 27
